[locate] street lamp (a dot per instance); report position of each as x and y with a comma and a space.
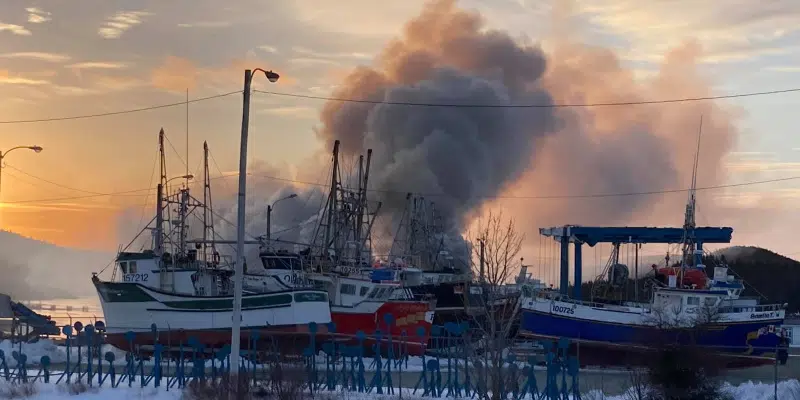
269, 215
36, 149
238, 275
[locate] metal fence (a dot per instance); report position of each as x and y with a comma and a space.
380, 364
333, 363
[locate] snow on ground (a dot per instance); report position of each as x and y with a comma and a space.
58, 354
748, 391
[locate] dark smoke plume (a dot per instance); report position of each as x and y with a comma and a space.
465, 156
445, 55
460, 154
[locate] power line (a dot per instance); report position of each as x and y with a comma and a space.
564, 105
553, 197
579, 196
106, 114
49, 181
401, 103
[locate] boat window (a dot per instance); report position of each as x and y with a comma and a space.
710, 301
132, 267
364, 290
348, 289
124, 267
292, 263
374, 293
693, 301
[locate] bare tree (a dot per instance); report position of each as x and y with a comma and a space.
496, 255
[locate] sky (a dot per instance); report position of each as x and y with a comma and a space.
62, 59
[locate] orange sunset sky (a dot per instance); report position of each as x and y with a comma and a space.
61, 59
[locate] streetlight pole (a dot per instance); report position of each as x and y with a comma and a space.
3, 155
238, 275
269, 216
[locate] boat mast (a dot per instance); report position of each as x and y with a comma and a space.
363, 209
689, 242
331, 198
159, 231
206, 187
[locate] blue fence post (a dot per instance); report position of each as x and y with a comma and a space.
388, 318
329, 348
255, 336
513, 371
362, 378
574, 370
377, 378
435, 381
530, 387
78, 326
67, 331
22, 367
89, 335
44, 369
112, 373
423, 378
4, 366
100, 329
130, 365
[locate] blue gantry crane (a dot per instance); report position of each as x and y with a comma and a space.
589, 235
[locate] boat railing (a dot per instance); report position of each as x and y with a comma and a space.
755, 308
556, 296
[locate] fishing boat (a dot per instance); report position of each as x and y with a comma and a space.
685, 306
173, 292
362, 298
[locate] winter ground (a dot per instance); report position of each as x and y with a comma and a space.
592, 381
788, 390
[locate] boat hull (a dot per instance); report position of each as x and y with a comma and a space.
410, 330
608, 336
149, 314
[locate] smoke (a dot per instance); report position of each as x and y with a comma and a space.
459, 154
464, 158
466, 155
293, 220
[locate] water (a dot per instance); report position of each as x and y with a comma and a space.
87, 310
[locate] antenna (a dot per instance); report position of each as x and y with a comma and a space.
187, 137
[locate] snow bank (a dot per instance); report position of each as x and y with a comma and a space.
746, 391
57, 354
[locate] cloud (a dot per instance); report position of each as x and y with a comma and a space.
14, 29
290, 111
783, 68
317, 54
37, 15
6, 78
268, 49
41, 56
98, 65
730, 32
120, 22
175, 74
205, 24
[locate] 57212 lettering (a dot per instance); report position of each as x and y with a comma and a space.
135, 277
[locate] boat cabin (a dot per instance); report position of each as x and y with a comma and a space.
351, 290
175, 274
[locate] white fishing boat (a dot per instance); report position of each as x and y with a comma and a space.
174, 295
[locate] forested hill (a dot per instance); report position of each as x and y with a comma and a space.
766, 273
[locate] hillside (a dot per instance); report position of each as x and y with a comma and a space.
774, 276
34, 270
